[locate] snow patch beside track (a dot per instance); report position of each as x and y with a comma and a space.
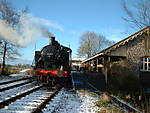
71, 102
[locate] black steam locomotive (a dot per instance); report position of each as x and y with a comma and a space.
53, 62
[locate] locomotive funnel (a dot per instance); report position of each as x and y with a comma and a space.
51, 40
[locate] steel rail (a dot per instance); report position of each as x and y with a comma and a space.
16, 85
7, 82
12, 99
39, 108
123, 104
119, 102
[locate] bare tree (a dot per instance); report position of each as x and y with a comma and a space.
11, 17
91, 43
138, 16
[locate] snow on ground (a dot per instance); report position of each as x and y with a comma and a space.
14, 83
25, 70
71, 102
22, 74
11, 77
16, 91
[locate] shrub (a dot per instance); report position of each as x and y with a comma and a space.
100, 103
121, 77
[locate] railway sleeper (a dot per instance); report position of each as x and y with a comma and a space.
12, 99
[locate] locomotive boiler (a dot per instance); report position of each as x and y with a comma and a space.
53, 62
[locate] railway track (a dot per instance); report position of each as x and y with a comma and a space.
31, 100
119, 103
81, 82
124, 105
17, 84
14, 98
14, 89
42, 105
11, 81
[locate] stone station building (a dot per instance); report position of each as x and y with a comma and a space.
135, 49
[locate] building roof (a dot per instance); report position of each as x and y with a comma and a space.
120, 43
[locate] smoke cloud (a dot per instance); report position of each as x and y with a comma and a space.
29, 29
8, 33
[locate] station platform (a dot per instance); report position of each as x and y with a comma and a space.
88, 81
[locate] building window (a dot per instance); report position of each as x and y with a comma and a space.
145, 64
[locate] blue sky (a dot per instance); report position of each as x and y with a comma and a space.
72, 18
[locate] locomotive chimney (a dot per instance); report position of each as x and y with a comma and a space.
51, 40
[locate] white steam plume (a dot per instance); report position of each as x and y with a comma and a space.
30, 28
8, 33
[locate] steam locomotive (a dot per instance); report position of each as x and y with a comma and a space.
53, 63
